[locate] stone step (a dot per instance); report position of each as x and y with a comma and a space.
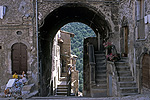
63, 78
100, 55
62, 90
100, 90
100, 76
100, 63
63, 74
123, 68
100, 60
125, 79
101, 71
124, 59
124, 73
100, 86
62, 86
29, 87
129, 90
61, 93
99, 52
128, 94
99, 93
127, 84
100, 68
101, 81
34, 93
119, 63
25, 92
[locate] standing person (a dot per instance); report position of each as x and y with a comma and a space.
15, 75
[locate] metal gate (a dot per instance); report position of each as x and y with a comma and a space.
19, 58
146, 71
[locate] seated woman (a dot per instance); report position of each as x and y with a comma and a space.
15, 75
23, 78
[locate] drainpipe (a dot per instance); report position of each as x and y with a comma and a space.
37, 41
99, 42
134, 57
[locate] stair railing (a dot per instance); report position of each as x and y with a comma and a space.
112, 78
69, 81
112, 73
91, 63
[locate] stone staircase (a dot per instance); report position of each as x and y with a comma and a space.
62, 89
27, 89
100, 88
126, 81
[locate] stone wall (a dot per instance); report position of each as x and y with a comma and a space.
19, 17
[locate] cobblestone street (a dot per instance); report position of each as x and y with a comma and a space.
136, 97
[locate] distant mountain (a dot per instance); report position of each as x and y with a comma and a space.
81, 31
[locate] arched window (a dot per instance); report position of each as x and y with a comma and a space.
19, 58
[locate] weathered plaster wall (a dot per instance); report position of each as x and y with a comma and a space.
18, 17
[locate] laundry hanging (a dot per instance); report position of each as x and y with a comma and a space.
2, 11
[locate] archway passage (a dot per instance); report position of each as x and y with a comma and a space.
19, 58
72, 12
146, 71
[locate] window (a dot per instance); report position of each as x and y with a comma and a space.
140, 9
140, 32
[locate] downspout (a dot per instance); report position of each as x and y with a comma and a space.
134, 45
37, 42
99, 42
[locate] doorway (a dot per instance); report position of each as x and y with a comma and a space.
146, 71
19, 58
126, 41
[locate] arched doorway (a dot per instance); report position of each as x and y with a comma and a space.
19, 58
146, 71
71, 12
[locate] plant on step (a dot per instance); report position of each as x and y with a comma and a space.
111, 57
107, 45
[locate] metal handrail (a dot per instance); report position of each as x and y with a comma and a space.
69, 81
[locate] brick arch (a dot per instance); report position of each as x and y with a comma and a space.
72, 12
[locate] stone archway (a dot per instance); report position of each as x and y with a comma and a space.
67, 13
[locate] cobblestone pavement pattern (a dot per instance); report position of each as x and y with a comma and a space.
136, 97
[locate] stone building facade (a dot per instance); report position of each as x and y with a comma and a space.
125, 23
62, 61
17, 28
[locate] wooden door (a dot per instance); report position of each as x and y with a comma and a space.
19, 58
146, 71
125, 41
